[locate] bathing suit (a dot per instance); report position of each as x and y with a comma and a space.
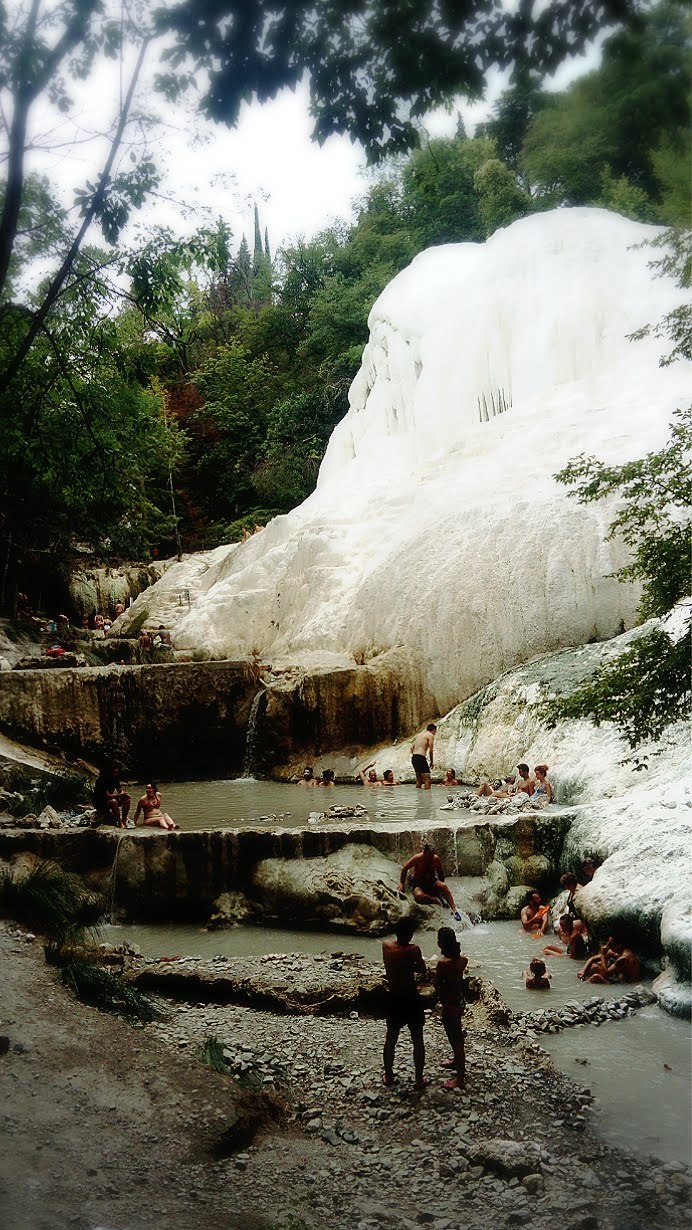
404, 1010
579, 949
420, 764
426, 885
539, 790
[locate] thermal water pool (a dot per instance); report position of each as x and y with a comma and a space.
640, 1105
245, 803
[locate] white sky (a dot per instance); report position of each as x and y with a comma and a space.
214, 171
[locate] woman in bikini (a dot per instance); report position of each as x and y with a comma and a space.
150, 805
543, 786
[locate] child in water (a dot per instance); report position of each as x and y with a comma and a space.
535, 977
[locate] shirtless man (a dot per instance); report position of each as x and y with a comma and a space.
308, 778
616, 963
403, 961
423, 756
525, 783
449, 976
427, 879
368, 775
535, 916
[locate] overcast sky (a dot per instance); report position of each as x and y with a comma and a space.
214, 171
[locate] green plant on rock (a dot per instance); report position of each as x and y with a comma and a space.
648, 686
51, 901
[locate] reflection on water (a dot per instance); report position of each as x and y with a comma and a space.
244, 802
641, 1106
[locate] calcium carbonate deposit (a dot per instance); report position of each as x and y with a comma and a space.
437, 527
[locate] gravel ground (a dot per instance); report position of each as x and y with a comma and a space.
112, 1126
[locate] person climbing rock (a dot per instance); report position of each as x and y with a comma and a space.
427, 879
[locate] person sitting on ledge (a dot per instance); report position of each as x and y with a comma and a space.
543, 788
371, 779
150, 805
308, 778
573, 934
427, 879
535, 977
535, 916
388, 778
110, 800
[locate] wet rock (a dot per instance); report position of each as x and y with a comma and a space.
354, 889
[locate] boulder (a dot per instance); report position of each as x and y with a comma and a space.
507, 1158
354, 889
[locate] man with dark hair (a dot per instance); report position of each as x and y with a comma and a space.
427, 879
403, 963
110, 800
423, 756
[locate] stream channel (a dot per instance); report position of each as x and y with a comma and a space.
640, 1104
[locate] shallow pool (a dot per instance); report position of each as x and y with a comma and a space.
640, 1106
246, 803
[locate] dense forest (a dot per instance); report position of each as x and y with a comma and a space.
179, 393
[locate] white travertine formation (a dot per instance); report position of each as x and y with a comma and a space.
437, 524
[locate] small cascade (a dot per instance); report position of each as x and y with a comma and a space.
253, 740
114, 873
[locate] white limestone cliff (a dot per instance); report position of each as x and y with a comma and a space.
437, 524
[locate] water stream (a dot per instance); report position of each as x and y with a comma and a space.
640, 1105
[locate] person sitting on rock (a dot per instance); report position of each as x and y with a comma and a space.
449, 984
119, 609
110, 800
388, 778
535, 916
427, 879
98, 621
614, 963
150, 805
525, 783
543, 788
573, 934
368, 775
536, 977
308, 778
590, 867
501, 788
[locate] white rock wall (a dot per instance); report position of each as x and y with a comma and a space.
438, 531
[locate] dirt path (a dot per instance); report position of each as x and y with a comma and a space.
102, 1125
114, 1127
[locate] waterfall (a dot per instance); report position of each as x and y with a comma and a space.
253, 740
114, 872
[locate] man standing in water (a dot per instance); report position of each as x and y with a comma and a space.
423, 756
403, 961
